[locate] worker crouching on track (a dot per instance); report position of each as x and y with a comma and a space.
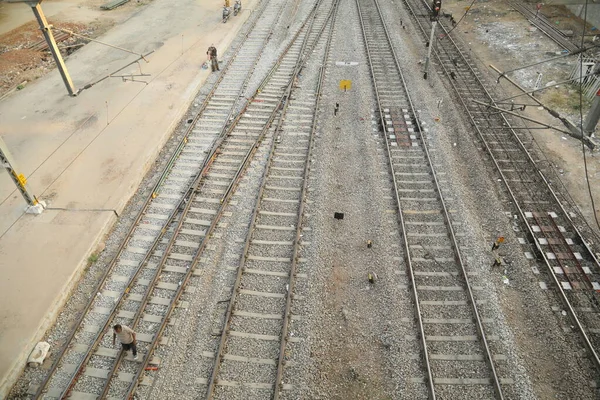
126, 336
212, 56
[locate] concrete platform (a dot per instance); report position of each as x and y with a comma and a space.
73, 158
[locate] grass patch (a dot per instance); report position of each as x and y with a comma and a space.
93, 258
566, 99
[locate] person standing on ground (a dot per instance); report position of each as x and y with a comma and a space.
212, 56
126, 336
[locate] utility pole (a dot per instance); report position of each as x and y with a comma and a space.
34, 206
435, 12
591, 120
46, 29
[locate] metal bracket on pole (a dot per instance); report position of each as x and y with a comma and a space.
47, 32
573, 130
511, 112
435, 14
34, 206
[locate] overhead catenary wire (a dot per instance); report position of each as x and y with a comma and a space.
460, 20
98, 41
585, 166
581, 50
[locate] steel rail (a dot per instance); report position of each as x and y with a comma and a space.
225, 331
264, 83
299, 225
223, 203
196, 258
538, 171
194, 189
512, 195
510, 127
147, 202
556, 249
220, 79
418, 313
545, 26
445, 212
185, 200
176, 212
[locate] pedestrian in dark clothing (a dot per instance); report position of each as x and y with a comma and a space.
336, 109
126, 336
212, 56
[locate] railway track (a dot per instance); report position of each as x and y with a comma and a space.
252, 349
551, 223
547, 28
143, 283
453, 337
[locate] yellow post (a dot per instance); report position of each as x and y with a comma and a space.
345, 85
19, 179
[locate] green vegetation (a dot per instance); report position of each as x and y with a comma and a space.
93, 258
565, 99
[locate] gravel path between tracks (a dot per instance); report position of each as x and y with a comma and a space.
356, 330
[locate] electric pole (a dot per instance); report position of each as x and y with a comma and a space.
46, 29
591, 120
34, 206
435, 12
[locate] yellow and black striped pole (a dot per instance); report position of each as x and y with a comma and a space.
19, 179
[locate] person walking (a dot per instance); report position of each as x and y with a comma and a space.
126, 336
212, 56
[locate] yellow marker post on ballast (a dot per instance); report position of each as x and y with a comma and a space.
345, 85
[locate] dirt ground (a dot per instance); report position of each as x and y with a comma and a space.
501, 36
19, 64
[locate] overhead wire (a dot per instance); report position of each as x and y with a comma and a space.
461, 18
585, 166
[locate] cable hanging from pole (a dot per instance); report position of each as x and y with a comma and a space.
98, 41
460, 20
